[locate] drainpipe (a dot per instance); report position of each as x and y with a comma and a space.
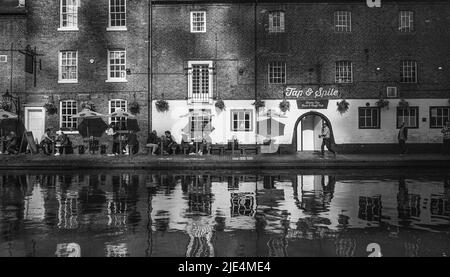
150, 66
256, 67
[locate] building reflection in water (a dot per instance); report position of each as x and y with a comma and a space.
116, 250
68, 250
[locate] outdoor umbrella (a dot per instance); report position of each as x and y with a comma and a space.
202, 129
132, 124
270, 128
92, 123
271, 113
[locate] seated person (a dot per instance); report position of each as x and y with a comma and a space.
12, 145
187, 143
46, 142
133, 143
170, 142
64, 144
163, 140
153, 142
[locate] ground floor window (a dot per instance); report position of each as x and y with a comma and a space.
408, 115
369, 118
241, 120
200, 122
438, 116
117, 104
68, 108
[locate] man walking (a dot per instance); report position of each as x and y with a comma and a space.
446, 132
402, 138
326, 139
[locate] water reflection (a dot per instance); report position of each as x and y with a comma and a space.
217, 214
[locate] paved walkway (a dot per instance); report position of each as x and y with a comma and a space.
264, 161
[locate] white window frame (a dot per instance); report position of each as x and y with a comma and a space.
441, 117
73, 131
60, 79
341, 72
75, 6
273, 18
405, 115
3, 58
343, 21
407, 68
244, 111
116, 28
115, 79
125, 108
191, 82
281, 75
192, 21
370, 117
406, 21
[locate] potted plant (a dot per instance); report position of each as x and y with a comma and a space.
162, 105
285, 106
259, 104
403, 103
220, 104
51, 108
342, 106
135, 108
382, 103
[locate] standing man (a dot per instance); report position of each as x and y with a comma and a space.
402, 138
446, 132
326, 139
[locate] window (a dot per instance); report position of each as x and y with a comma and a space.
241, 120
200, 122
369, 118
408, 72
200, 81
344, 72
68, 67
406, 21
439, 116
408, 115
276, 22
68, 108
3, 58
117, 15
116, 66
198, 22
277, 73
117, 104
342, 21
68, 15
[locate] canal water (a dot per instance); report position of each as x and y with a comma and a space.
225, 214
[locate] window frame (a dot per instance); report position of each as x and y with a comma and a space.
68, 28
439, 107
191, 20
411, 23
343, 28
233, 112
284, 78
60, 79
277, 29
73, 129
416, 109
191, 98
114, 79
402, 72
114, 119
336, 72
371, 127
116, 28
3, 58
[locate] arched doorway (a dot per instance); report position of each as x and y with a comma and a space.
307, 130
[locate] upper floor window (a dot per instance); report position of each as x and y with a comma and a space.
3, 58
68, 15
276, 22
409, 115
116, 66
241, 120
68, 108
68, 67
277, 72
406, 21
342, 21
118, 104
117, 15
439, 116
200, 82
198, 22
408, 72
369, 118
344, 72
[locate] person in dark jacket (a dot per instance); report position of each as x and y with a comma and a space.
153, 142
402, 138
12, 143
133, 143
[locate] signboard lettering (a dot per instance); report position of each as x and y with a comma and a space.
310, 93
312, 104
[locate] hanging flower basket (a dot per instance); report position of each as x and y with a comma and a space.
50, 108
403, 104
162, 105
5, 106
88, 105
342, 106
259, 104
382, 103
285, 106
135, 108
220, 105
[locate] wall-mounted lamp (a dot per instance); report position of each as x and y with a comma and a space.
91, 60
440, 68
378, 68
